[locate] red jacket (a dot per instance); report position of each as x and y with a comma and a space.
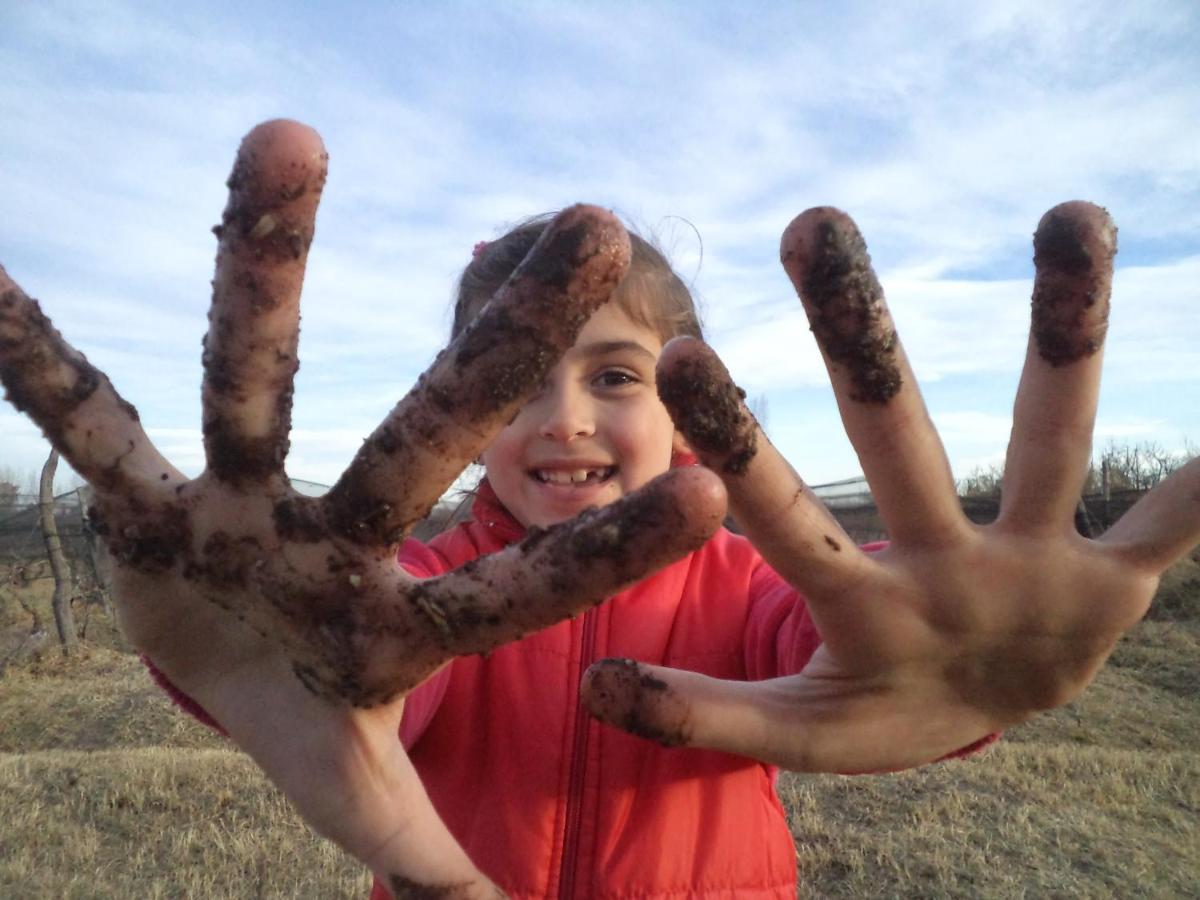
550, 803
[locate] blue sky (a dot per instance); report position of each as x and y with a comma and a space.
945, 129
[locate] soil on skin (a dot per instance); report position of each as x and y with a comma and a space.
34, 354
710, 411
407, 889
1073, 285
621, 693
848, 315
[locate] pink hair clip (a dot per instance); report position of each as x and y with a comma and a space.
479, 248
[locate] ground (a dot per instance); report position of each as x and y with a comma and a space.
108, 791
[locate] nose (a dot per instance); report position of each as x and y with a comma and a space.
566, 413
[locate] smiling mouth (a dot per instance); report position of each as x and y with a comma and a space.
573, 476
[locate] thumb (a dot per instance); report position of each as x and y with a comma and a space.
676, 708
796, 723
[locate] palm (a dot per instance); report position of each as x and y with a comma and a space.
286, 617
966, 640
954, 631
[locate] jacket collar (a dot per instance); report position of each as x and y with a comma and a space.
488, 511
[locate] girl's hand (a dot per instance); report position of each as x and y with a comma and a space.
954, 631
287, 617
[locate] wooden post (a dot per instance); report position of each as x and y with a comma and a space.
64, 619
1106, 490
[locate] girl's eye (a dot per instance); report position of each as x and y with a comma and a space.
615, 378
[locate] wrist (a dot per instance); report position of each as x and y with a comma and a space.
434, 869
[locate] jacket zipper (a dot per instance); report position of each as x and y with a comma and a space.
574, 814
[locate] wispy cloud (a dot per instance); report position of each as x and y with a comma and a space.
946, 131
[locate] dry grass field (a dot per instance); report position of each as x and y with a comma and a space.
107, 791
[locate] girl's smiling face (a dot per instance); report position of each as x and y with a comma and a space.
595, 432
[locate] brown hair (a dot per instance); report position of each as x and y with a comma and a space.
652, 295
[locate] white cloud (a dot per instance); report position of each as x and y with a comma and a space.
443, 122
1155, 323
972, 425
23, 452
1128, 430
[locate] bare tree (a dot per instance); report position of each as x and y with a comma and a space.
984, 481
15, 486
1134, 467
8, 496
64, 619
1120, 467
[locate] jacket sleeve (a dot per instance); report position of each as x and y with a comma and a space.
780, 636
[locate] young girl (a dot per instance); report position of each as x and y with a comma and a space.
545, 800
288, 622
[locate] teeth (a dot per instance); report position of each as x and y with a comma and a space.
573, 476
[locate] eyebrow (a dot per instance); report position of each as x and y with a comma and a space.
603, 348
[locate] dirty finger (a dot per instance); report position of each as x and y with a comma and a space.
798, 723
565, 569
568, 568
254, 323
73, 402
1055, 410
792, 529
881, 406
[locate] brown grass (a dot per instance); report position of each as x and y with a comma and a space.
157, 822
108, 791
1024, 820
98, 700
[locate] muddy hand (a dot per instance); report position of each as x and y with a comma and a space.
954, 631
286, 617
